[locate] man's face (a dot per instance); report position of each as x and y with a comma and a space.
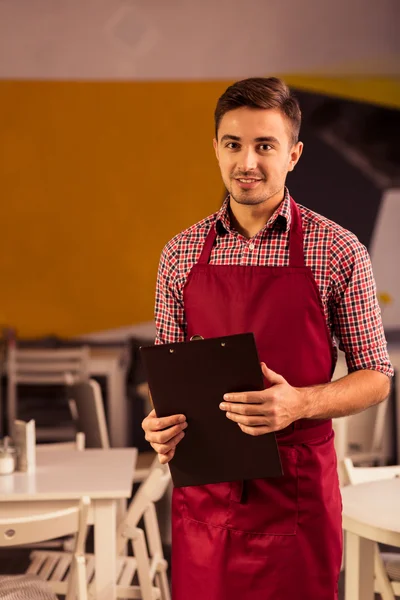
255, 152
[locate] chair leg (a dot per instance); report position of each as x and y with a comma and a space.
162, 583
71, 586
382, 583
142, 562
81, 578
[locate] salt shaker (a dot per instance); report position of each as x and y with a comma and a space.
7, 458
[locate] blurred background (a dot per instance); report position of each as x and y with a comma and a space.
106, 150
106, 130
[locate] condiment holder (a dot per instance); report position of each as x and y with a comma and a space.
7, 457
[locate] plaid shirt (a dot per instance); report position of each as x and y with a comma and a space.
339, 262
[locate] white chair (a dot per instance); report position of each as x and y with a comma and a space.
23, 587
373, 452
387, 564
77, 444
42, 367
147, 562
87, 410
18, 530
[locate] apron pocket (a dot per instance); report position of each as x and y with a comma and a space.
268, 506
206, 503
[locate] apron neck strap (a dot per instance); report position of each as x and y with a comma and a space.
296, 252
207, 247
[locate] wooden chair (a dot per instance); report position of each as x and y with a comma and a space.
77, 444
147, 562
39, 527
87, 409
387, 564
42, 367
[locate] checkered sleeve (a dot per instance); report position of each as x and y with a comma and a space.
355, 311
169, 312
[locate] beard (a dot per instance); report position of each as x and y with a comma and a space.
255, 197
248, 199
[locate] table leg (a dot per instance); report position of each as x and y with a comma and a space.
359, 570
117, 407
122, 505
105, 549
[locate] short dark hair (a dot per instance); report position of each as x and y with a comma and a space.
260, 92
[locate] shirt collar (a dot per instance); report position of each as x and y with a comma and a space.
281, 218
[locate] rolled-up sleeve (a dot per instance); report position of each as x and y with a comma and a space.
355, 312
169, 311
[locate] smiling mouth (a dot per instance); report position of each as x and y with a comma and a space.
247, 183
247, 180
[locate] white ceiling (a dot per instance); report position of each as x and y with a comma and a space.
180, 39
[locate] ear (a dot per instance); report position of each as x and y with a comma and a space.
295, 154
215, 144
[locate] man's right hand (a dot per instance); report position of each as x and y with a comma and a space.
164, 434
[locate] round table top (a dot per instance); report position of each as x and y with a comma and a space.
376, 503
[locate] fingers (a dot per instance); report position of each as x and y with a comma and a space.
245, 397
255, 431
153, 423
242, 409
164, 434
167, 447
165, 458
250, 421
270, 375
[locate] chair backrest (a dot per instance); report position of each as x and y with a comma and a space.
87, 409
364, 474
50, 366
51, 525
46, 526
36, 366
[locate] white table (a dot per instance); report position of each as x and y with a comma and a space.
371, 513
64, 475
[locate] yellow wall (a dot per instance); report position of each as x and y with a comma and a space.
94, 179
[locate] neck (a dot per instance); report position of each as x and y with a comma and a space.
249, 219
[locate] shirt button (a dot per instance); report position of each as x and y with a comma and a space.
251, 246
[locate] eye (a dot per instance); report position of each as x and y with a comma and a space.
265, 147
232, 145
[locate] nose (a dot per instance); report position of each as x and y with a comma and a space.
248, 160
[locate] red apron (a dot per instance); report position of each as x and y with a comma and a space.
276, 538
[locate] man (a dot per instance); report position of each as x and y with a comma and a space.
296, 279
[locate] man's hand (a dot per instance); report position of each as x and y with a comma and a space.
272, 409
164, 434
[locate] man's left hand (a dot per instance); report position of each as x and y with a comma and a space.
272, 409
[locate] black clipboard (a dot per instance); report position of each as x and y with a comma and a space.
191, 378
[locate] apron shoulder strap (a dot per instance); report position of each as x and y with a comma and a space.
296, 252
208, 245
